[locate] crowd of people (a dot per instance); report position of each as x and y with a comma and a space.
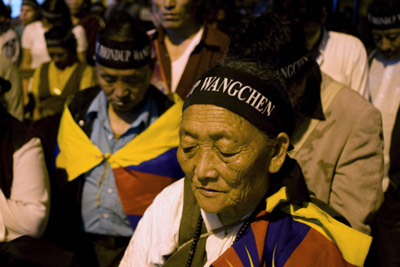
189, 133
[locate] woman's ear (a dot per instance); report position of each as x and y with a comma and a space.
279, 156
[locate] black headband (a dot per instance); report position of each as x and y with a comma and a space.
384, 21
122, 55
296, 69
52, 15
31, 3
256, 100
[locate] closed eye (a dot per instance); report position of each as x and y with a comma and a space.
227, 155
109, 79
187, 149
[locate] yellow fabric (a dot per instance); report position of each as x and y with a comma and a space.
59, 78
352, 244
78, 154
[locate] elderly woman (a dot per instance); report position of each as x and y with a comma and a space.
243, 201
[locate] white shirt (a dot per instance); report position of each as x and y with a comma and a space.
33, 39
384, 79
343, 57
179, 65
152, 240
14, 102
26, 211
10, 46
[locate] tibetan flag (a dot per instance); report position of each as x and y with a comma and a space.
299, 236
142, 168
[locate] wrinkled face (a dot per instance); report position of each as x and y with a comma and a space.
226, 159
388, 42
27, 14
74, 6
60, 56
125, 89
174, 14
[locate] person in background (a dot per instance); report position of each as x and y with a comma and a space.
341, 56
338, 135
56, 81
29, 13
12, 100
9, 41
223, 15
384, 72
24, 196
97, 8
384, 75
80, 15
116, 148
24, 184
54, 13
63, 76
185, 46
243, 201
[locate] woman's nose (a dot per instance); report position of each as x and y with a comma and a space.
205, 165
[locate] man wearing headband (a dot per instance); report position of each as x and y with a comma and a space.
117, 145
384, 20
337, 140
241, 193
341, 56
64, 75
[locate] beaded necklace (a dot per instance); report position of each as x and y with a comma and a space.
197, 235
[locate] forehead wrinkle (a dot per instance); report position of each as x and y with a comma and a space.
227, 124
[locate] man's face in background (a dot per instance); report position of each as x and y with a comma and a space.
387, 42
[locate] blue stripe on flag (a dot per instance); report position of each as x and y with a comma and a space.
165, 164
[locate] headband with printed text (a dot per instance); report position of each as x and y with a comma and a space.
384, 21
52, 15
295, 69
256, 100
122, 55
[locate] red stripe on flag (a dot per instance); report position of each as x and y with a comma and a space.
137, 190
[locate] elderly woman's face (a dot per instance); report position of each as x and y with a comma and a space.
226, 158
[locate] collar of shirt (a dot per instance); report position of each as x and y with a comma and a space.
209, 37
98, 112
99, 108
322, 46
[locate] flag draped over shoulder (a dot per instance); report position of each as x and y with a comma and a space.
142, 168
308, 237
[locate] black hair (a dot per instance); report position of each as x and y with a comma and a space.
384, 7
200, 9
122, 27
264, 37
61, 36
265, 44
56, 12
84, 9
5, 11
304, 10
